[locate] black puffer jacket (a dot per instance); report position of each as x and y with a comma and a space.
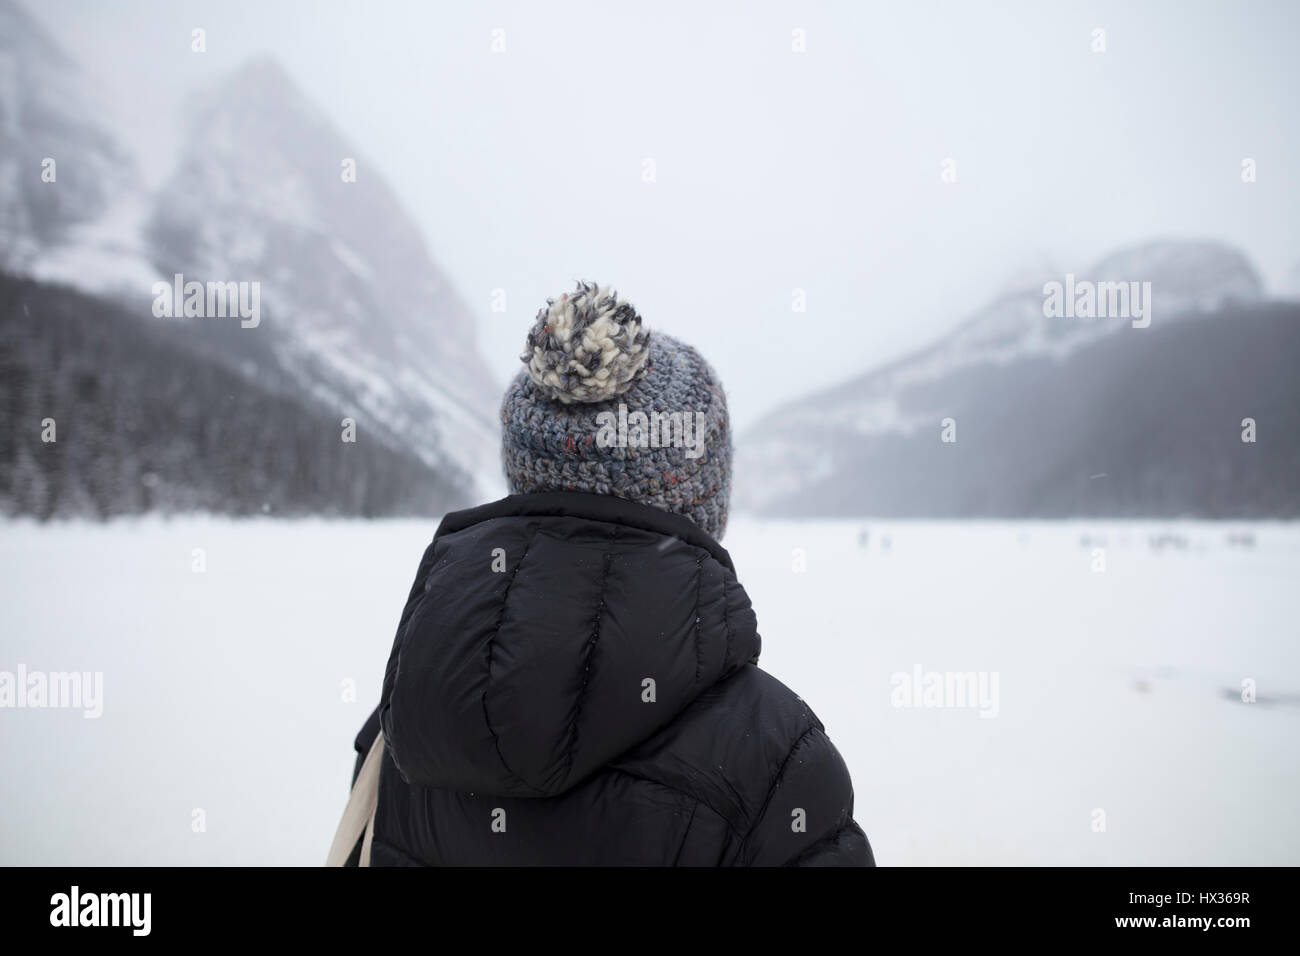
573, 682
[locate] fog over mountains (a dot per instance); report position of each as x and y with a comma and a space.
1057, 416
1052, 416
370, 322
47, 111
356, 321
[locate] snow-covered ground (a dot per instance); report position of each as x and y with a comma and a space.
1118, 691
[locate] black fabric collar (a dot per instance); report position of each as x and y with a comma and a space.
578, 504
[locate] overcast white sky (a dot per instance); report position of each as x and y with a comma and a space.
775, 170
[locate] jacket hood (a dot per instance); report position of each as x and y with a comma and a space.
547, 634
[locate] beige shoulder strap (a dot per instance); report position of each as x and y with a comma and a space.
359, 815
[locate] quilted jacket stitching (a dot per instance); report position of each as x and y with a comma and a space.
771, 790
487, 682
607, 560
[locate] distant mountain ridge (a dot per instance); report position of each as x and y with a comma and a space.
372, 325
47, 113
357, 320
1035, 421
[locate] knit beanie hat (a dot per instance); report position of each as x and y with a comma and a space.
605, 406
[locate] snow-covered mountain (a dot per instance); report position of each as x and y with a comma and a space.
1187, 279
357, 320
1289, 287
873, 445
356, 309
60, 166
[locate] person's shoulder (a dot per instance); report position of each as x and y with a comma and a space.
765, 712
736, 744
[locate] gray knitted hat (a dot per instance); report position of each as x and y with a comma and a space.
606, 407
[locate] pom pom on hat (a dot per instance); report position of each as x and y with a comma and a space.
586, 346
587, 353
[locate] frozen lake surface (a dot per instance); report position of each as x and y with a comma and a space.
1118, 690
